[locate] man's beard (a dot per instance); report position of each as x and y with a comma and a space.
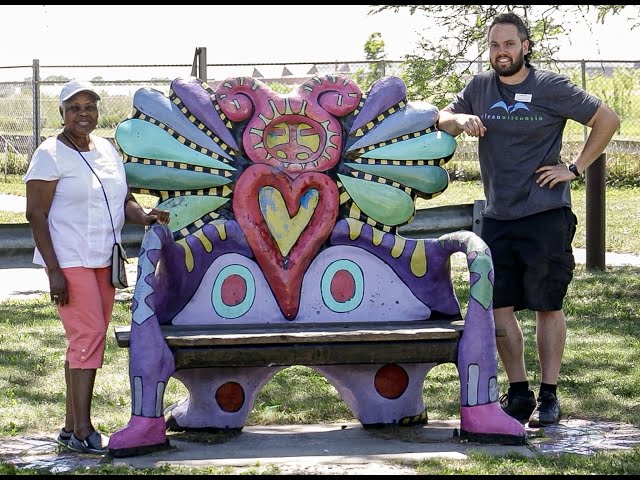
511, 69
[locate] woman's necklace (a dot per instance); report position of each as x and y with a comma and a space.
74, 143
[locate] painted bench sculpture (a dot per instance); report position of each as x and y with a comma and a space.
284, 210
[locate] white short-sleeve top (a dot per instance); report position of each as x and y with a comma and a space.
78, 220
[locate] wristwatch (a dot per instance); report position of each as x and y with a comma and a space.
573, 169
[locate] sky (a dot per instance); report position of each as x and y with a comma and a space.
154, 34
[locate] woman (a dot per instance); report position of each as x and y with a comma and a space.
74, 234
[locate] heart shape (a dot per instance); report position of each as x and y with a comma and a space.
284, 229
299, 219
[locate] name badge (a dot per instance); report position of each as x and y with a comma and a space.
523, 97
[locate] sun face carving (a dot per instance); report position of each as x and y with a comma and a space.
294, 133
294, 142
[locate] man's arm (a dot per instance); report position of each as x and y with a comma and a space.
456, 123
604, 124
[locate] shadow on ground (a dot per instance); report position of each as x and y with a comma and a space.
570, 436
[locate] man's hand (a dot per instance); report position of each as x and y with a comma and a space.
471, 125
553, 174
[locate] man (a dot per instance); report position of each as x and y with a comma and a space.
518, 113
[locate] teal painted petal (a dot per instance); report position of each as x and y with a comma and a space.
159, 177
430, 146
415, 117
187, 209
383, 203
145, 140
424, 178
155, 105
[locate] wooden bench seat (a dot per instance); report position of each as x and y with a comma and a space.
309, 344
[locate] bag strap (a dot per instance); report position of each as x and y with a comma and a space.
99, 181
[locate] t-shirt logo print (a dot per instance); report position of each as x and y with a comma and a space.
509, 108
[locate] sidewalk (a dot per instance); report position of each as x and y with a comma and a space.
335, 448
28, 283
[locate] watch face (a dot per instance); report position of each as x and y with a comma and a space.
573, 169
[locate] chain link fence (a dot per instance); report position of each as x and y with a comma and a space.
29, 101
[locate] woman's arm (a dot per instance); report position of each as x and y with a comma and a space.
134, 213
39, 197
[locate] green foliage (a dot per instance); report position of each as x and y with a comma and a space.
281, 88
12, 185
443, 67
613, 462
622, 217
110, 121
13, 163
432, 80
12, 124
616, 89
374, 52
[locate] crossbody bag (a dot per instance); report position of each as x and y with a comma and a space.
118, 254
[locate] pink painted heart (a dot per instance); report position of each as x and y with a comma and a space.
311, 202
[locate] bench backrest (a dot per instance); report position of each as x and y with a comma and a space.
297, 197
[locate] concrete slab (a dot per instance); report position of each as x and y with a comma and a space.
323, 444
327, 449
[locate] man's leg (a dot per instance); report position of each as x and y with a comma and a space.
519, 402
511, 345
551, 335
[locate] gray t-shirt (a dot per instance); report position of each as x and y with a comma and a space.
524, 124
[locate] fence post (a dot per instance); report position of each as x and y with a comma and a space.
595, 185
5, 148
199, 66
35, 89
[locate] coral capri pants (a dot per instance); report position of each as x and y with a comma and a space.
87, 315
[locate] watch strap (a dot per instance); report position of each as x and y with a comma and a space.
573, 169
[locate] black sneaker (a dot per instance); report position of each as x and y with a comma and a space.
519, 407
547, 411
64, 437
94, 444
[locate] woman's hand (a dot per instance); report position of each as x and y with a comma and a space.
58, 287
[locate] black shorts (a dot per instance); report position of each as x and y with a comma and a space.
532, 258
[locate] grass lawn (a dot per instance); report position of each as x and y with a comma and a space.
622, 215
599, 380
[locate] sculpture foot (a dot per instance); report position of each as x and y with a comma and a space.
172, 425
140, 436
489, 424
420, 419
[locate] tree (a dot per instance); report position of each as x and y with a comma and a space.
374, 52
445, 66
